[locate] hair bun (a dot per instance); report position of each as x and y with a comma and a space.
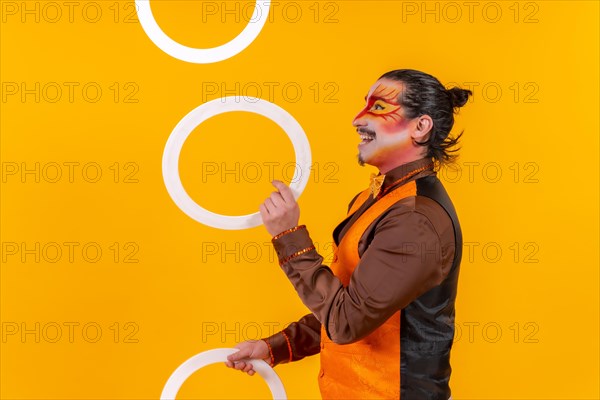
459, 96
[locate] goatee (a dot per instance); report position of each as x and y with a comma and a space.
361, 162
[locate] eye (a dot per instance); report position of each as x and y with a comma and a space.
378, 106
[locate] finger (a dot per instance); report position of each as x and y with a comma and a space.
251, 372
285, 191
264, 214
263, 211
270, 206
240, 365
248, 367
243, 353
277, 199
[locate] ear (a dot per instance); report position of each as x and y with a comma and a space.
424, 126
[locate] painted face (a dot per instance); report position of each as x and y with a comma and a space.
384, 131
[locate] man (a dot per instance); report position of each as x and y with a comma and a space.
383, 312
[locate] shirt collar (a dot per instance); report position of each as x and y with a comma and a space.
396, 173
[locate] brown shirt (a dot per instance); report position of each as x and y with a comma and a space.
408, 250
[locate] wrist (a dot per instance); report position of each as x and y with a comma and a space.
292, 243
270, 358
287, 231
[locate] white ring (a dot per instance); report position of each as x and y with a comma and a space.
185, 370
202, 56
170, 161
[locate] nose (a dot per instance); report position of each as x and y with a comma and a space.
359, 120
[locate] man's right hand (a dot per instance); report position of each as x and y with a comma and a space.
248, 349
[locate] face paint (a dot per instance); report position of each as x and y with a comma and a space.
382, 102
381, 124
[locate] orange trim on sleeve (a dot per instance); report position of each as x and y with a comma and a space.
288, 344
294, 229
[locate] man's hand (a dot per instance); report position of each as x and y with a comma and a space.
280, 211
248, 349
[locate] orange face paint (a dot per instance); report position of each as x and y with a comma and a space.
382, 102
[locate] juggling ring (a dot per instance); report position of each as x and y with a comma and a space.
185, 370
202, 56
170, 161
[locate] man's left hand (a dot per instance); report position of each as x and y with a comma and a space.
280, 211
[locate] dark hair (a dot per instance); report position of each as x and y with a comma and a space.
423, 94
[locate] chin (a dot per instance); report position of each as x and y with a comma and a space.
361, 162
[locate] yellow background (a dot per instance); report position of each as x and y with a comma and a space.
528, 318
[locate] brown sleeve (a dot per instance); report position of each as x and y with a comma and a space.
403, 261
303, 339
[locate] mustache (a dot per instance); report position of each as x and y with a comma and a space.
366, 131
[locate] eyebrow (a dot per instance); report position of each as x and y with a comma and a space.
384, 99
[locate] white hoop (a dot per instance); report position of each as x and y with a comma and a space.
170, 162
202, 56
185, 370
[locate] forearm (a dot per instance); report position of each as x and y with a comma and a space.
314, 282
298, 340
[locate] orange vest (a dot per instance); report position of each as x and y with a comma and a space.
370, 367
